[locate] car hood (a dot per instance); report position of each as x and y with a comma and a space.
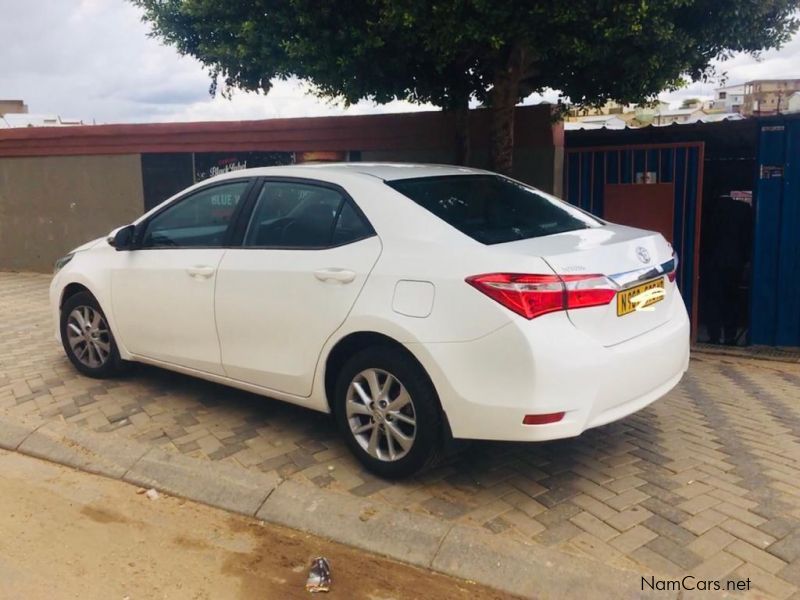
88, 245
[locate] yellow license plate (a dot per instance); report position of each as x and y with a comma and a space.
640, 297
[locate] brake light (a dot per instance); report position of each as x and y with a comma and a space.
534, 295
671, 274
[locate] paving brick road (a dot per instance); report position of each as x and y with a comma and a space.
704, 482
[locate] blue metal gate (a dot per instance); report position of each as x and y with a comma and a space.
775, 300
637, 173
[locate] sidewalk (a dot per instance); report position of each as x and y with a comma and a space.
68, 534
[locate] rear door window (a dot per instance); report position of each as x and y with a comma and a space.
350, 226
291, 214
492, 209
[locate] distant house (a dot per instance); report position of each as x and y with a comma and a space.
728, 99
12, 120
715, 117
609, 108
768, 96
677, 115
596, 122
14, 113
645, 114
12, 107
794, 103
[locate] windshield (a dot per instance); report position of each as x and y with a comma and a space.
492, 209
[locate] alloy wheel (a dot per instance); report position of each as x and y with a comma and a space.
381, 415
88, 336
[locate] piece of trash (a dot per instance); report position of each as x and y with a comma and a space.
319, 577
331, 467
152, 494
367, 514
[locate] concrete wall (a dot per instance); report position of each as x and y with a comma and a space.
49, 205
63, 186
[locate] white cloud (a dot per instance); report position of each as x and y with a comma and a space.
775, 64
286, 99
92, 59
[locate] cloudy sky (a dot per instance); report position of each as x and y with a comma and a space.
92, 59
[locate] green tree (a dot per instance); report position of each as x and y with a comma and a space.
451, 51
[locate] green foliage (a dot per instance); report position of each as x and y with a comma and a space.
448, 51
443, 50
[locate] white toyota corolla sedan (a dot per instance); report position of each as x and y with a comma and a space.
413, 302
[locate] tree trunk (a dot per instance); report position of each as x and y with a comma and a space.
503, 99
463, 145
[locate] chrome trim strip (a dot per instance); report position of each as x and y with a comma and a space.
629, 278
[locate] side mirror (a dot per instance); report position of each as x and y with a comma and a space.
121, 238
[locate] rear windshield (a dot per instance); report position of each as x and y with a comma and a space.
492, 209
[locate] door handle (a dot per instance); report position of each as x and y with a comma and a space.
200, 271
335, 275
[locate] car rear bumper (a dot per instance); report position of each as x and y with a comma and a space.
487, 386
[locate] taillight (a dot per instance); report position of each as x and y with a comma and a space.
671, 274
588, 290
535, 295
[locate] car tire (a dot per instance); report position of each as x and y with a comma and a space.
87, 337
365, 395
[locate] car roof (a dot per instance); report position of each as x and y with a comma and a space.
385, 171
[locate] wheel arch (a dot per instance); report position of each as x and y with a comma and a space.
356, 341
98, 287
70, 290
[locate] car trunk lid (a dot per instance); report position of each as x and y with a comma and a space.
633, 260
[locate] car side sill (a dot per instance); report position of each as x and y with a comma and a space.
306, 402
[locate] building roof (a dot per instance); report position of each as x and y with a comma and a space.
424, 130
714, 117
596, 122
14, 120
787, 79
738, 86
678, 112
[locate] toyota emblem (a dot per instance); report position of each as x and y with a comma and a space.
643, 254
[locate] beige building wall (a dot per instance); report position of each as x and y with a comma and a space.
12, 107
768, 97
49, 205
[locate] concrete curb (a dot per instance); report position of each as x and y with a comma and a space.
410, 537
70, 445
13, 433
470, 553
218, 484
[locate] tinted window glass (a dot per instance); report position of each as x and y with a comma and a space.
201, 220
293, 215
492, 209
350, 226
